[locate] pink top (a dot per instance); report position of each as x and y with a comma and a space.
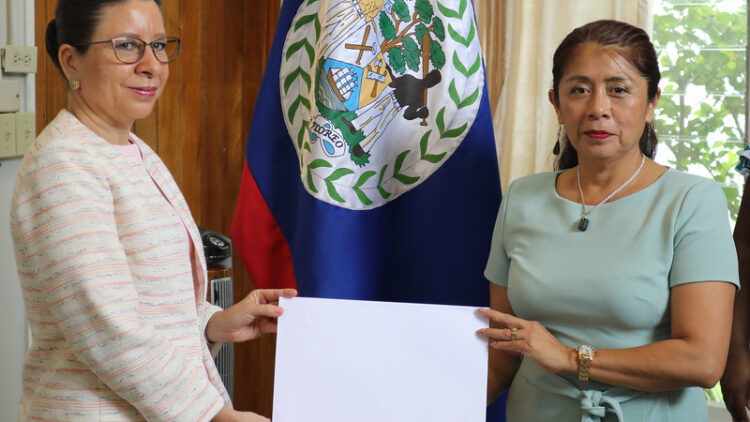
130, 149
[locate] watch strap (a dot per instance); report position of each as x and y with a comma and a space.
585, 357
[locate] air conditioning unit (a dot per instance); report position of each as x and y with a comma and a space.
221, 295
218, 251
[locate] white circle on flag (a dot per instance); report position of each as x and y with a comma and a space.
377, 95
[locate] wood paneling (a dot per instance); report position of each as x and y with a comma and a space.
259, 19
199, 128
51, 93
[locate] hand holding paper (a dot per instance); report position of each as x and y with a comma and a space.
248, 319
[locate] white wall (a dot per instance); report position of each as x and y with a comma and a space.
12, 321
16, 28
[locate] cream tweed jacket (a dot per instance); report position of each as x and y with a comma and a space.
116, 312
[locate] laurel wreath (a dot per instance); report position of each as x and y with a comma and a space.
302, 50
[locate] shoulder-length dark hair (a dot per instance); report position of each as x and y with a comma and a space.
75, 23
634, 45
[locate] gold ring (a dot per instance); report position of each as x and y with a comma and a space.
513, 334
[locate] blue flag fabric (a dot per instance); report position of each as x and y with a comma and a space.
371, 170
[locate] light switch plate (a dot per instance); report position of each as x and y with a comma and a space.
10, 96
7, 135
25, 122
19, 59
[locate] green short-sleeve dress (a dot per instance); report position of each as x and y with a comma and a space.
607, 286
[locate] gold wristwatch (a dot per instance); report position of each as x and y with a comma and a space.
585, 357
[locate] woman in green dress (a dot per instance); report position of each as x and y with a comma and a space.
612, 278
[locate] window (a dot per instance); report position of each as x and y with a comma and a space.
700, 120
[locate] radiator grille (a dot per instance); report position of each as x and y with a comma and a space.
221, 295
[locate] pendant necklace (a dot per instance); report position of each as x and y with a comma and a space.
584, 223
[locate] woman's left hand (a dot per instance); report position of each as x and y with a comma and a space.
248, 319
532, 340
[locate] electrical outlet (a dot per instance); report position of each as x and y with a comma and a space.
7, 135
19, 59
24, 131
10, 95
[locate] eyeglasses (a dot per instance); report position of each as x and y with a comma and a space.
130, 50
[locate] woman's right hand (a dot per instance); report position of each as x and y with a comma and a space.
249, 318
735, 384
227, 414
531, 339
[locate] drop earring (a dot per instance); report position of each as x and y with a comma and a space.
74, 84
560, 132
649, 147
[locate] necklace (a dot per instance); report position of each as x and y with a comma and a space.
584, 223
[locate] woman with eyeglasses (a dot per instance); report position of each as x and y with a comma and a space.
109, 257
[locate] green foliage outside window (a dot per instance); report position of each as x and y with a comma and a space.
701, 116
700, 120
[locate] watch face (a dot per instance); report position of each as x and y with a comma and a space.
585, 349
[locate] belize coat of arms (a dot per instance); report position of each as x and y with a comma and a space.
378, 94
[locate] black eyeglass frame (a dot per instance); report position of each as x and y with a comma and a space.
142, 51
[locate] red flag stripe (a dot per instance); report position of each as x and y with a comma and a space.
265, 251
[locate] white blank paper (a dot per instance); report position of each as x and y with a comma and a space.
360, 361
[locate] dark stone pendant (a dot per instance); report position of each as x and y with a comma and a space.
583, 224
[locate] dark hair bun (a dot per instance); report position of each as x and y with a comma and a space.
51, 44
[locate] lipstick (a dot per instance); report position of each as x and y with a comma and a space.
598, 134
145, 91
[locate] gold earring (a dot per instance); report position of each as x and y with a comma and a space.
74, 84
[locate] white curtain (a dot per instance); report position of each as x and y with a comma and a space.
525, 123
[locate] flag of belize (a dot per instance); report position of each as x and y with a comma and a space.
371, 170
